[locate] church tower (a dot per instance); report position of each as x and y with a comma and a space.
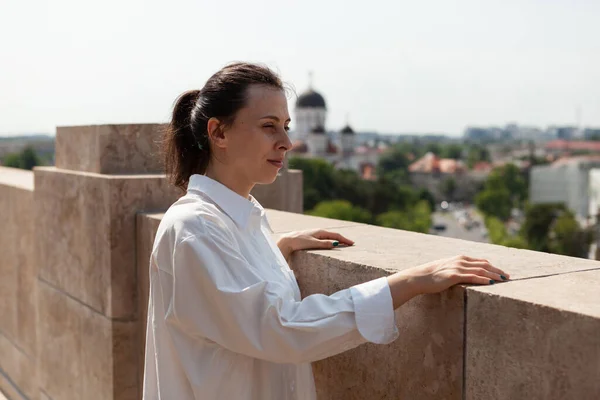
311, 112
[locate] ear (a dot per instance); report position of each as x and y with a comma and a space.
215, 133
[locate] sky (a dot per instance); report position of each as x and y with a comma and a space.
384, 66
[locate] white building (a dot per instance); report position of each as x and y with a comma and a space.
311, 138
566, 181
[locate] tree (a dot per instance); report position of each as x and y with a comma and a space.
568, 238
341, 209
29, 158
498, 235
494, 203
26, 159
434, 148
454, 151
416, 219
448, 188
538, 221
394, 159
509, 177
477, 153
426, 195
318, 179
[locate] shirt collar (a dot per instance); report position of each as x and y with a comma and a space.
239, 209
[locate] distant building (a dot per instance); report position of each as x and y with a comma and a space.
312, 140
434, 173
566, 181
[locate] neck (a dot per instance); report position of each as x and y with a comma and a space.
229, 178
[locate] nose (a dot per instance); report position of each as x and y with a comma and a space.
286, 144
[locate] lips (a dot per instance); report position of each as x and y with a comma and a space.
276, 163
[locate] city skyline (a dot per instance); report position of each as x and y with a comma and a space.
430, 67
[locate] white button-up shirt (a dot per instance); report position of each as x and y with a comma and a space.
225, 315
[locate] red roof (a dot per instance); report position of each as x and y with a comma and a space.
573, 145
299, 147
431, 163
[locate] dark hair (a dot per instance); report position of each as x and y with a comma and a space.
185, 146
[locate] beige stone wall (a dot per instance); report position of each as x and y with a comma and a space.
535, 337
17, 285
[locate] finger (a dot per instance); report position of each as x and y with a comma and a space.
472, 259
327, 244
498, 274
475, 279
334, 236
480, 271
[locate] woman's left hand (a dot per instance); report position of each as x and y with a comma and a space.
314, 239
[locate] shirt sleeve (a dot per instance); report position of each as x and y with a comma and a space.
218, 295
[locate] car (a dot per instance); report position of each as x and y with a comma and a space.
440, 227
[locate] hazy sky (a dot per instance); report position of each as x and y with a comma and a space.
391, 66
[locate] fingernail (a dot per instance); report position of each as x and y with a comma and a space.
336, 243
492, 281
503, 277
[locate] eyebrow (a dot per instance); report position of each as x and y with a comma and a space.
275, 118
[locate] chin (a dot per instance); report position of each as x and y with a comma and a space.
267, 179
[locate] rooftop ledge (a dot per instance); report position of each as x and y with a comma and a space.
17, 178
534, 337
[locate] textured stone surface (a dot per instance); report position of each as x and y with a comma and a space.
17, 178
284, 194
59, 350
18, 371
83, 354
86, 236
395, 250
535, 339
17, 286
109, 149
147, 226
426, 359
282, 222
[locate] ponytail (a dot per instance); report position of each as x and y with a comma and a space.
185, 152
186, 148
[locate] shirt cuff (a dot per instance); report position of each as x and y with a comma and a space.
374, 311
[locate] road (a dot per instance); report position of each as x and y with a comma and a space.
455, 230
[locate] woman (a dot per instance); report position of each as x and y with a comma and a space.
225, 316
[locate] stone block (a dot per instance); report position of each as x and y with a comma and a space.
16, 266
282, 222
26, 271
395, 250
83, 354
15, 177
534, 339
73, 236
284, 194
295, 191
147, 226
109, 149
108, 358
22, 373
425, 362
86, 237
59, 344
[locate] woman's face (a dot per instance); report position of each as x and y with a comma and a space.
255, 144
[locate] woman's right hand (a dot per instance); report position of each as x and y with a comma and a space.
439, 275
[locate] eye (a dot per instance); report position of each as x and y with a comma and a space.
287, 128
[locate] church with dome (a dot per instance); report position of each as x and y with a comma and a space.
312, 140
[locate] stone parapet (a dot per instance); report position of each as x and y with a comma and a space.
534, 337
